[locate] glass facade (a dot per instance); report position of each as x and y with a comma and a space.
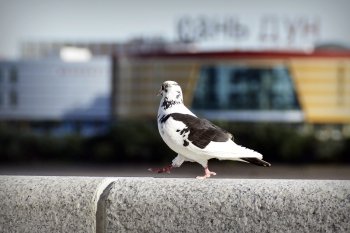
229, 87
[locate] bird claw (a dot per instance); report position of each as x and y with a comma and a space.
207, 174
161, 170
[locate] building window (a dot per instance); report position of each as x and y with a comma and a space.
13, 76
1, 87
13, 98
225, 87
1, 99
1, 77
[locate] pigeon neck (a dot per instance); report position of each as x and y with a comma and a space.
169, 103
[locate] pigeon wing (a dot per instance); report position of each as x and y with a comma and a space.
202, 131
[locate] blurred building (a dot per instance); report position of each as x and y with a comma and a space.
86, 83
49, 49
242, 86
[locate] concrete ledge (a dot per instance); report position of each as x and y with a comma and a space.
49, 204
189, 205
79, 204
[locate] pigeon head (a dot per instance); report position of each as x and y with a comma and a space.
171, 91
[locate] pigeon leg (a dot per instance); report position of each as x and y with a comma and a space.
207, 174
166, 169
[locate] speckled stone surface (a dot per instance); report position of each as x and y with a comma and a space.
48, 204
219, 205
82, 204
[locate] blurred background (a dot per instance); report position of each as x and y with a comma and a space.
78, 84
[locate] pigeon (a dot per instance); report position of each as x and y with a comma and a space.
195, 139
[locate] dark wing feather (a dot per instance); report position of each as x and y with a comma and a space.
257, 161
201, 131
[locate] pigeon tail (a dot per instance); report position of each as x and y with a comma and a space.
247, 153
256, 161
232, 151
253, 157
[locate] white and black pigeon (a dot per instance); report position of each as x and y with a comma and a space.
193, 138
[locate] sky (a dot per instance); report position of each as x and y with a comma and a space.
118, 21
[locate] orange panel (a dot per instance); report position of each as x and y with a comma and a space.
322, 86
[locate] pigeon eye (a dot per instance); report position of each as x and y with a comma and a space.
162, 87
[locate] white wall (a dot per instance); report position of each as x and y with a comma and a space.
55, 90
106, 20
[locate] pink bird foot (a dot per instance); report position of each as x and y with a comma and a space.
207, 174
161, 170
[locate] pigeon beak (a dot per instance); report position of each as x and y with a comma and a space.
159, 92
